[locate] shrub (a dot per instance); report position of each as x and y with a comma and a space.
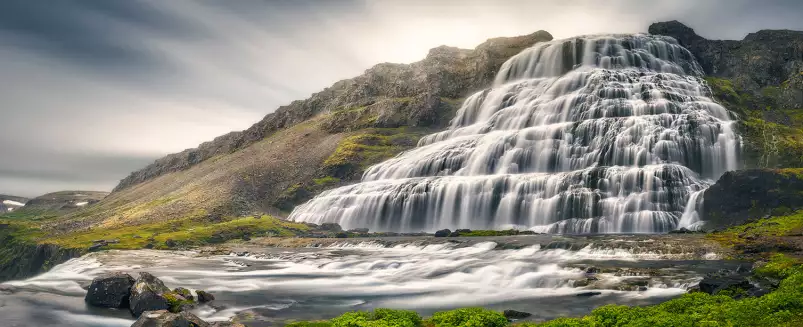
469, 317
378, 318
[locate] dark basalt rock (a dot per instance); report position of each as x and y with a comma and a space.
110, 291
147, 295
516, 315
185, 293
330, 227
443, 233
748, 194
588, 294
163, 318
204, 296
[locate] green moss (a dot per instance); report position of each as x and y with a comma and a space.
184, 233
175, 301
743, 235
357, 152
326, 180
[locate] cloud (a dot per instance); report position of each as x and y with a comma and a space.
120, 83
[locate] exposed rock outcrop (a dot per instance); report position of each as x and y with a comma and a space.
739, 196
110, 291
164, 318
763, 58
22, 260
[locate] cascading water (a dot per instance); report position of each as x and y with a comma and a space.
599, 134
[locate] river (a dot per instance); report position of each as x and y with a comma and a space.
539, 274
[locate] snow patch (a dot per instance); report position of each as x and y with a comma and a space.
13, 203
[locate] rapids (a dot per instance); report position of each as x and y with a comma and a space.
595, 134
539, 274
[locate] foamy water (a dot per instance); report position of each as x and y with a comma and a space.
318, 283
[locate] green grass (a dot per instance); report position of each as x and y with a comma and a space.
326, 180
747, 234
356, 153
184, 233
782, 307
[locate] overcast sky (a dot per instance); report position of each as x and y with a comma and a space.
91, 90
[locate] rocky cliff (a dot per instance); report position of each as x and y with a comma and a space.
761, 78
747, 195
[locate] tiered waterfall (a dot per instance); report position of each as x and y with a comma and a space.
596, 134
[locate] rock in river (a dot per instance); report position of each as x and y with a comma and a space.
110, 291
164, 318
146, 295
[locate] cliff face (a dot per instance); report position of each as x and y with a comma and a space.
391, 95
748, 195
761, 79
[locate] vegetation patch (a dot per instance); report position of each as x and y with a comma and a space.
772, 137
371, 146
763, 235
181, 233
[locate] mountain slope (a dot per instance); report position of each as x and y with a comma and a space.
307, 146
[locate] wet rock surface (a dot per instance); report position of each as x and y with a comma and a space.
739, 196
110, 291
164, 318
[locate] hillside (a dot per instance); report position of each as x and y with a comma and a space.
10, 203
56, 204
307, 146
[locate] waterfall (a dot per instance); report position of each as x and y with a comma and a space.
594, 134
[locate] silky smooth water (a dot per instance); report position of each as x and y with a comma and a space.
596, 134
320, 283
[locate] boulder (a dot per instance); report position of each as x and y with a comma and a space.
443, 233
331, 227
185, 293
147, 295
713, 284
516, 315
164, 318
204, 297
110, 290
588, 294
